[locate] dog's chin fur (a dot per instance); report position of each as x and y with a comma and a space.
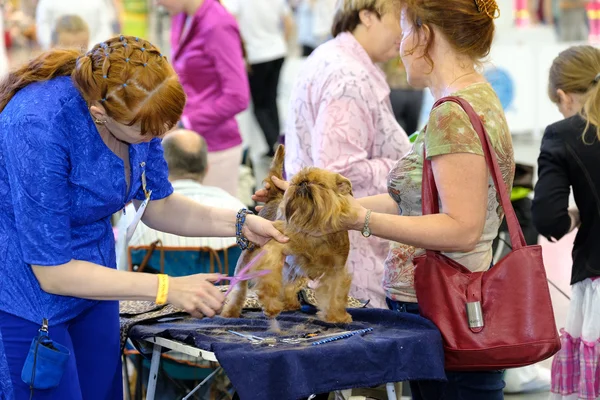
314, 203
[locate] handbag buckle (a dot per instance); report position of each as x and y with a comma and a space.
475, 315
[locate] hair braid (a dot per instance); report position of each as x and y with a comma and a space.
128, 76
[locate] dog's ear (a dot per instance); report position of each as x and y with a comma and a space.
344, 185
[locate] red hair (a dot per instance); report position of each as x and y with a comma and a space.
128, 76
468, 25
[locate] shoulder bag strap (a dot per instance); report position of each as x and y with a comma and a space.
429, 192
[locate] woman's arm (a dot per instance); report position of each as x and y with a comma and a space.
183, 216
288, 22
550, 204
462, 182
91, 281
381, 203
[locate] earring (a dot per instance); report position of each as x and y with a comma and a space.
99, 122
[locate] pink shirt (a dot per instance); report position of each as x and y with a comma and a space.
340, 118
207, 56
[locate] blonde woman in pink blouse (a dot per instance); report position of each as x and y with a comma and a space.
340, 119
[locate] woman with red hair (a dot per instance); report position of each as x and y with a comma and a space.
80, 139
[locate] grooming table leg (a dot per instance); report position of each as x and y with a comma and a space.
153, 372
391, 391
190, 394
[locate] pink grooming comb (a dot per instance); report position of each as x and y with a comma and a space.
243, 275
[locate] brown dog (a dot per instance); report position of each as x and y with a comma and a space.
315, 203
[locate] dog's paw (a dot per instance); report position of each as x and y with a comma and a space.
230, 312
342, 318
292, 305
273, 308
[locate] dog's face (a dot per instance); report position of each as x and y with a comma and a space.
316, 201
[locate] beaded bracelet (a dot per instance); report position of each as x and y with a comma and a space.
241, 240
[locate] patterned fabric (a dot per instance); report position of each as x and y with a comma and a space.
136, 312
6, 389
60, 185
576, 367
307, 296
340, 119
449, 131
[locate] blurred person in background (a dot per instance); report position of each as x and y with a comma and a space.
340, 119
569, 160
3, 57
314, 19
266, 26
208, 57
406, 101
571, 20
118, 10
97, 14
71, 32
187, 160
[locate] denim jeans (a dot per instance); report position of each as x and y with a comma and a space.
476, 385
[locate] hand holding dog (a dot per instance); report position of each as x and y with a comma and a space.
259, 230
260, 195
354, 224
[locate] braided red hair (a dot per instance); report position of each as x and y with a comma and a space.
128, 76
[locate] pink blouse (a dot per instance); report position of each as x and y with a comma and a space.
340, 118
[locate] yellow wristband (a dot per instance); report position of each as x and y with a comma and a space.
163, 289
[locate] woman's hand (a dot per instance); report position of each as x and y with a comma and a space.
259, 230
196, 294
261, 194
356, 222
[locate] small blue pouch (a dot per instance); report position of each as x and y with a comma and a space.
46, 361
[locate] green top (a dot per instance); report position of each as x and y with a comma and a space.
449, 130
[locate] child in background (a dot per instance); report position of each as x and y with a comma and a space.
569, 159
71, 32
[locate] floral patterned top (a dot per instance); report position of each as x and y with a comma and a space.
448, 131
340, 118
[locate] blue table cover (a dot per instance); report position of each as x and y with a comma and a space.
401, 347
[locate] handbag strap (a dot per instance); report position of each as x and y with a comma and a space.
149, 253
429, 192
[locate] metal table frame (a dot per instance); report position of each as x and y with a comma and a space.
158, 343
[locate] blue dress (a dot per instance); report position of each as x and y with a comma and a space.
59, 186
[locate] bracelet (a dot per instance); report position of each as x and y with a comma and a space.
163, 289
241, 240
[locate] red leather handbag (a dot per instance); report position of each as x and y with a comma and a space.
500, 318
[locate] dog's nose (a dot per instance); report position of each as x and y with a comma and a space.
303, 188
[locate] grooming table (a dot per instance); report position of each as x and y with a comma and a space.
159, 344
401, 347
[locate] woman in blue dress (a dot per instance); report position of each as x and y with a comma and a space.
79, 139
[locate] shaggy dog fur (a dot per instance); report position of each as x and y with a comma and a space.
314, 204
